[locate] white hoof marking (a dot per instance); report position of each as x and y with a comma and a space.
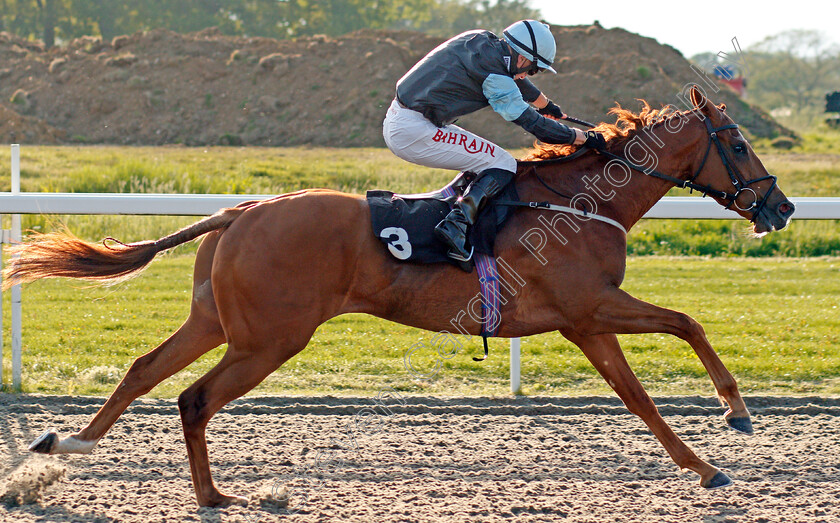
71, 445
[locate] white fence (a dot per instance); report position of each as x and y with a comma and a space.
16, 203
677, 207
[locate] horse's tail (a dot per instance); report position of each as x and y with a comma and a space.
60, 254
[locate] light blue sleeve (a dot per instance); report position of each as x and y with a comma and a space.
504, 96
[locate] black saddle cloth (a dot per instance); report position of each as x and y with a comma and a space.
406, 223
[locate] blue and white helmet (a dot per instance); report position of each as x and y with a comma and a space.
533, 40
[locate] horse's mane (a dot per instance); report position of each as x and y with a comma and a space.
626, 126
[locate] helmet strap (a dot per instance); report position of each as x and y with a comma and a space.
531, 69
514, 61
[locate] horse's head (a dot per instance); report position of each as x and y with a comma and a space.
734, 175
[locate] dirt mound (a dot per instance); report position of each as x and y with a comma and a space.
16, 128
159, 87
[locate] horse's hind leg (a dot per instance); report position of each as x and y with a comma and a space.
200, 333
239, 371
604, 352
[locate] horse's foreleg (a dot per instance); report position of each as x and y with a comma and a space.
604, 352
623, 314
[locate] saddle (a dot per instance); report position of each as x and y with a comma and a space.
405, 222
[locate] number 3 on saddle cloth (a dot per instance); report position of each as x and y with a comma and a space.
405, 223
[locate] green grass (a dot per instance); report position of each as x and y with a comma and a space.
248, 170
773, 321
815, 140
732, 238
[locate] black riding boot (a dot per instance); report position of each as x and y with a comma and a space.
452, 230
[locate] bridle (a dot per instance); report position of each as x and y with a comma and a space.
740, 184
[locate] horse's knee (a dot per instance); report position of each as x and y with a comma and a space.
690, 327
193, 408
694, 333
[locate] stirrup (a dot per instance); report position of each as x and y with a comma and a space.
457, 256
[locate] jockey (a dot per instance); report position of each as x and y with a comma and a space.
462, 75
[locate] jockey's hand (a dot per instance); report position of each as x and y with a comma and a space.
553, 110
595, 140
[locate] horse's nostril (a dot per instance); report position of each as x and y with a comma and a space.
786, 208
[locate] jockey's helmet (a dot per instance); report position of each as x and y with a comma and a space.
533, 40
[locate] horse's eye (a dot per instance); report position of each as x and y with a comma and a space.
739, 148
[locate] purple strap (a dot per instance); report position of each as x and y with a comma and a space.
448, 191
490, 306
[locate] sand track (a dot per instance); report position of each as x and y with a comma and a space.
433, 459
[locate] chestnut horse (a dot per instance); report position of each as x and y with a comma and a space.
269, 273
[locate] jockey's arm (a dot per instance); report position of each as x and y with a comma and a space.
508, 98
548, 130
532, 95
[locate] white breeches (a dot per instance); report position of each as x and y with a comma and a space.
415, 139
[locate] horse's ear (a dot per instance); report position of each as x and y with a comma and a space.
697, 97
700, 101
722, 107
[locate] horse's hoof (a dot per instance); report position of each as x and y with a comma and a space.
719, 480
741, 424
45, 442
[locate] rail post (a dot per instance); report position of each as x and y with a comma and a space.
515, 382
17, 339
